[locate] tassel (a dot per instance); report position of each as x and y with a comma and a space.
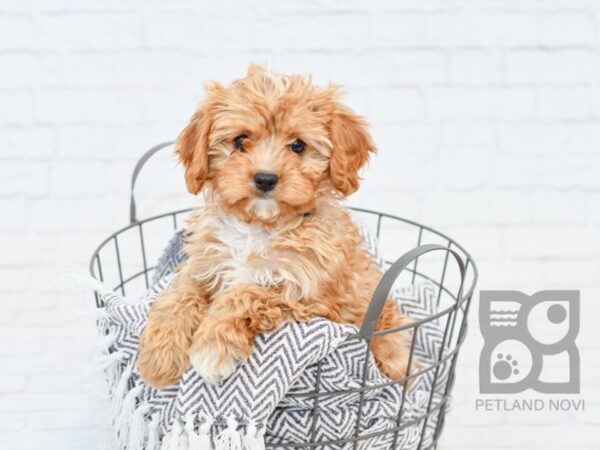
113, 374
166, 441
120, 391
137, 432
127, 410
102, 370
253, 438
153, 436
108, 366
230, 438
201, 440
106, 362
79, 278
176, 440
104, 343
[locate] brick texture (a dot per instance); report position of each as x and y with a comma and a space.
486, 114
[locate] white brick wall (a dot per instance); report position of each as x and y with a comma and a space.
487, 115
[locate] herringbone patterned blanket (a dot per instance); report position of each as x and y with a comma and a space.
268, 399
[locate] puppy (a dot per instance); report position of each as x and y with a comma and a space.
274, 155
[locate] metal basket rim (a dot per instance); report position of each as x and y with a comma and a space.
352, 208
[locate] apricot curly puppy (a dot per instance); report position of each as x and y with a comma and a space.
274, 155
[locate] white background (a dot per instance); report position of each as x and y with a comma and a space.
486, 115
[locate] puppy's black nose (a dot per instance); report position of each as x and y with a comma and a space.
265, 181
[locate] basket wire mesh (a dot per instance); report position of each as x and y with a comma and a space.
122, 262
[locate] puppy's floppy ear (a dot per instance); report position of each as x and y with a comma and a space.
192, 148
352, 144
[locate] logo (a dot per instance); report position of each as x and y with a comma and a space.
529, 342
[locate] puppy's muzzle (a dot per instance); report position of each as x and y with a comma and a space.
265, 181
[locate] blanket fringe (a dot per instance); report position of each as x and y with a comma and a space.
253, 438
104, 343
166, 441
200, 440
127, 409
153, 434
109, 361
78, 277
230, 438
107, 366
120, 391
176, 440
137, 432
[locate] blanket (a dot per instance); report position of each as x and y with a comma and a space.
269, 401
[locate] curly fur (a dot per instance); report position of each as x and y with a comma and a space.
259, 259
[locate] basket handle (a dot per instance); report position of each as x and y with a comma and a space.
382, 291
136, 171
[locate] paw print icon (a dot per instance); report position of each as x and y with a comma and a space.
505, 367
529, 342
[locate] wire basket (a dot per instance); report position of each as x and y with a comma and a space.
121, 261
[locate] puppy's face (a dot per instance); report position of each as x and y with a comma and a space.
269, 145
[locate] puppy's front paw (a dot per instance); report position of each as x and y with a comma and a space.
212, 366
215, 356
161, 362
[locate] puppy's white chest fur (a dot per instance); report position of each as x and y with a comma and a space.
241, 253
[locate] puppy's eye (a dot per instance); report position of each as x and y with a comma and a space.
238, 142
298, 146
